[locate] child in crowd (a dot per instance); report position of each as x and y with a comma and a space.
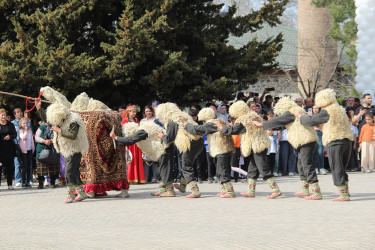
27, 146
271, 153
366, 142
353, 163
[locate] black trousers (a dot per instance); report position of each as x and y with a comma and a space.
188, 159
271, 159
211, 166
353, 162
235, 158
8, 166
166, 165
258, 164
305, 164
246, 163
26, 166
223, 167
200, 165
287, 158
235, 162
177, 163
72, 174
339, 156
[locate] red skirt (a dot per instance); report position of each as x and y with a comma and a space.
136, 172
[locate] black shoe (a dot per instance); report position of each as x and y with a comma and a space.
24, 185
40, 186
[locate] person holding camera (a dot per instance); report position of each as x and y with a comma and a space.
361, 111
268, 101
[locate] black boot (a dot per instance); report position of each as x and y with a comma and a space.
53, 181
40, 181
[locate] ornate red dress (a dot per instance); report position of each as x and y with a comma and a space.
136, 172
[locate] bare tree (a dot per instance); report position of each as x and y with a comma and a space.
321, 74
290, 15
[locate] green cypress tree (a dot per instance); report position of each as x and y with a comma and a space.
178, 51
131, 51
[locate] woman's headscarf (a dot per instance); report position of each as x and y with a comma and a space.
125, 117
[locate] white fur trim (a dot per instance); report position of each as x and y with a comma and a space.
95, 105
255, 139
57, 113
219, 143
80, 103
129, 129
52, 95
152, 146
298, 135
338, 126
325, 97
170, 112
206, 114
238, 109
283, 105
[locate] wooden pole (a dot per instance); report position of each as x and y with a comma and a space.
12, 94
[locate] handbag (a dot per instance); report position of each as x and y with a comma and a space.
49, 155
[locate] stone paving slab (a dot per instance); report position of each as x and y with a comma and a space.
38, 219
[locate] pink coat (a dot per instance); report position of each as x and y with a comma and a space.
23, 140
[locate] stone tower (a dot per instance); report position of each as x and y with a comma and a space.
317, 53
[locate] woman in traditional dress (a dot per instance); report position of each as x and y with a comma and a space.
136, 172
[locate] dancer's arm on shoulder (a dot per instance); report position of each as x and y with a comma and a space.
236, 129
315, 120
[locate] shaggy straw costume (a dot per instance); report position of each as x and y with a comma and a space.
221, 148
72, 143
303, 139
188, 144
84, 103
254, 142
145, 136
337, 135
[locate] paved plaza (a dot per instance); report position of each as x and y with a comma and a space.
38, 219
